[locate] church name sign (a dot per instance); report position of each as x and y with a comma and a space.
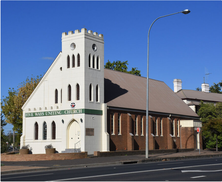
64, 112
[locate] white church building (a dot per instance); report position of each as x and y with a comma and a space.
67, 107
80, 106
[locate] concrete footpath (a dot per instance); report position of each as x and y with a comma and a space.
26, 166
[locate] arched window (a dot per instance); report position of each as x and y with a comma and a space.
69, 92
157, 127
61, 96
53, 130
89, 60
78, 60
73, 61
97, 93
136, 125
119, 124
77, 92
97, 62
161, 126
44, 131
141, 125
56, 96
90, 92
112, 127
93, 63
68, 61
36, 131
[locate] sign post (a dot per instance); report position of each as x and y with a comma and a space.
198, 131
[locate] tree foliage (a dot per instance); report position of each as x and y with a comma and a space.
12, 104
216, 88
3, 137
121, 66
211, 117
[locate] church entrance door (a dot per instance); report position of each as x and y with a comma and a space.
74, 137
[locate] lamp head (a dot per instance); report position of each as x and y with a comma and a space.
186, 11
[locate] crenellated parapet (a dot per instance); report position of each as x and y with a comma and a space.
83, 31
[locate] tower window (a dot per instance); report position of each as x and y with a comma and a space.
73, 61
89, 60
77, 92
44, 131
68, 61
90, 92
78, 60
69, 92
97, 93
97, 63
93, 62
53, 130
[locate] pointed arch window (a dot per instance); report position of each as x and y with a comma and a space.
90, 92
77, 92
97, 93
73, 61
136, 125
36, 131
68, 61
93, 63
69, 92
53, 130
56, 96
44, 131
119, 124
141, 125
78, 60
97, 63
61, 96
89, 60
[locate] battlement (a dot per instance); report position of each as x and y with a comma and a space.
83, 31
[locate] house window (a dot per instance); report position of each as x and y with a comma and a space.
53, 130
56, 96
44, 131
69, 92
89, 60
172, 127
112, 124
97, 63
78, 60
136, 125
77, 92
141, 125
119, 124
73, 61
90, 92
36, 131
161, 126
68, 61
156, 127
97, 93
178, 128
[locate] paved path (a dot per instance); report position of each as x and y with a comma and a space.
24, 166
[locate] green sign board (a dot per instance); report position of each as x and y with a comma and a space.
64, 112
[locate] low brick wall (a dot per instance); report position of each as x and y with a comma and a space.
138, 152
43, 157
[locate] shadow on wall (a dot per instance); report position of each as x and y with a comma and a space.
112, 90
189, 138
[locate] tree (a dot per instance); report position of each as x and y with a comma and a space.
12, 104
3, 137
121, 66
216, 88
211, 115
213, 129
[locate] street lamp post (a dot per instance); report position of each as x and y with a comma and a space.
186, 11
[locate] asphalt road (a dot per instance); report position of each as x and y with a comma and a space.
209, 169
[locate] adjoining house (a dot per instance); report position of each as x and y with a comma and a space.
193, 98
80, 106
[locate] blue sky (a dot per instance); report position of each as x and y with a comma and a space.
181, 46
